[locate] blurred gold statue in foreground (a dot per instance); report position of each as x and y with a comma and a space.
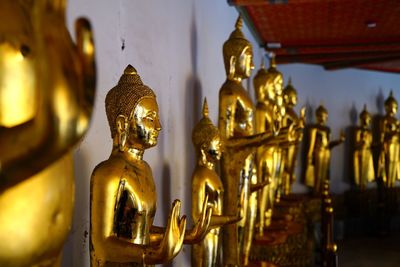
363, 161
319, 151
206, 184
291, 118
47, 86
388, 167
238, 173
123, 195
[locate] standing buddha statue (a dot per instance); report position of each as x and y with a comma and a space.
122, 190
206, 184
268, 118
319, 151
363, 161
291, 118
46, 100
235, 124
388, 167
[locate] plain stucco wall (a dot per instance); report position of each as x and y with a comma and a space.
176, 46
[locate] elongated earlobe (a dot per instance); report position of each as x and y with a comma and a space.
232, 63
122, 129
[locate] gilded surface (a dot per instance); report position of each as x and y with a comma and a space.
46, 98
363, 161
206, 184
123, 196
388, 167
268, 117
236, 115
290, 153
319, 151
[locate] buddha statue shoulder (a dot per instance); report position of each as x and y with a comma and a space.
123, 196
47, 86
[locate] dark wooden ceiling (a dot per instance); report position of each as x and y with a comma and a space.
333, 33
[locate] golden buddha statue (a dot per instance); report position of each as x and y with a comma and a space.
319, 151
47, 86
122, 191
235, 124
363, 161
388, 167
206, 183
291, 118
268, 117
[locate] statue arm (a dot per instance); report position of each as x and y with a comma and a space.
334, 143
226, 121
312, 138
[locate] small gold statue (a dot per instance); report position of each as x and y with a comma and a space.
268, 118
235, 124
206, 183
363, 161
319, 151
47, 86
123, 195
291, 118
388, 167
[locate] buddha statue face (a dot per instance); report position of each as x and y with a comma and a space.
244, 63
238, 54
290, 95
144, 124
365, 118
263, 89
391, 108
206, 138
132, 112
322, 115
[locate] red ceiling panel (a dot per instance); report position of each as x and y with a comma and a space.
333, 33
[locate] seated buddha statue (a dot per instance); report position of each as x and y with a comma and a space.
206, 184
362, 157
319, 151
388, 167
123, 194
47, 86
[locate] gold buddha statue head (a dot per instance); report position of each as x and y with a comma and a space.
206, 138
365, 117
262, 91
321, 114
238, 54
290, 94
132, 112
391, 105
274, 77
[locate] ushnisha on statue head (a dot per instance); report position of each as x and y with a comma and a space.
132, 113
290, 95
238, 54
206, 138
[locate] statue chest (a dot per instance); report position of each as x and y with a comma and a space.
135, 206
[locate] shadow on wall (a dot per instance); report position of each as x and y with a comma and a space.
77, 245
348, 165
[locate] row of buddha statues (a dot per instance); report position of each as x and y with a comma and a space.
46, 101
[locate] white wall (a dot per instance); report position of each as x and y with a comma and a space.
176, 46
